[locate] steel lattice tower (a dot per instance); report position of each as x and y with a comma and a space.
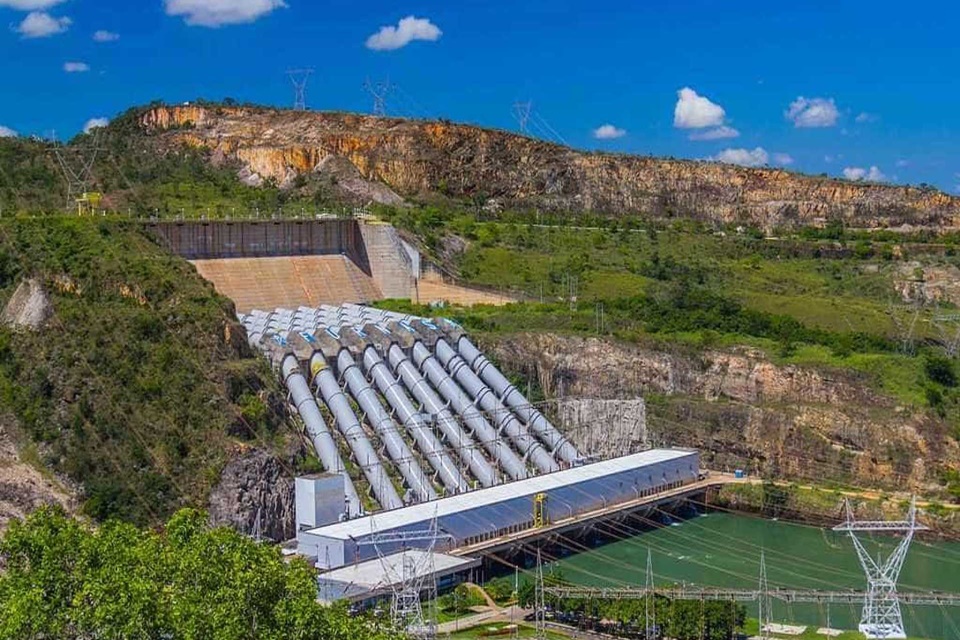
415, 575
299, 78
881, 617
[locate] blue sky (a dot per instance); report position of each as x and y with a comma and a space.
866, 90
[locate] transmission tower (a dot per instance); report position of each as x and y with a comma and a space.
411, 572
881, 617
539, 602
650, 604
76, 164
763, 597
379, 91
299, 78
521, 113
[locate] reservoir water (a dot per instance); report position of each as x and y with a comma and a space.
723, 550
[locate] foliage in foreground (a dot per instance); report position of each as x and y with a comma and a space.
65, 580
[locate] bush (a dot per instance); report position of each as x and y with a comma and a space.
940, 370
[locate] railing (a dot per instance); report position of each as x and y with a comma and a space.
747, 595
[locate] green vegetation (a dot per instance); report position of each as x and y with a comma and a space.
828, 302
142, 176
65, 580
141, 383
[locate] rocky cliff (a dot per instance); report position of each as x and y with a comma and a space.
501, 168
742, 411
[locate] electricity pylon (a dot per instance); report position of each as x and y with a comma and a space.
410, 576
76, 163
521, 113
650, 602
300, 78
379, 92
763, 597
539, 602
881, 617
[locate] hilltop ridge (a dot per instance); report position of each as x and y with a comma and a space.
496, 168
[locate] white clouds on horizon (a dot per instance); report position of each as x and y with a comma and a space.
873, 174
95, 123
757, 157
39, 24
719, 133
76, 67
812, 113
105, 36
409, 29
743, 157
216, 13
7, 132
864, 117
782, 159
694, 111
608, 132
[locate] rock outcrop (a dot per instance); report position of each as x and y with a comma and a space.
416, 157
255, 490
742, 411
29, 307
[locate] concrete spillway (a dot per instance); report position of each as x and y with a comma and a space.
434, 413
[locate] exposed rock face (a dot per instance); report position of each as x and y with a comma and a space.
414, 157
29, 307
744, 411
23, 488
255, 482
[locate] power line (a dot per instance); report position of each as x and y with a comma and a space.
379, 91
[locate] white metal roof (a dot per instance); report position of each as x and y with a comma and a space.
424, 511
380, 574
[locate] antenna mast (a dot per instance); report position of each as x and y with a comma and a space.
299, 78
881, 617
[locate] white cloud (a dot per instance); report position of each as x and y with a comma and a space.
39, 24
76, 67
407, 30
903, 163
216, 13
873, 174
95, 123
694, 111
29, 5
813, 112
608, 132
783, 159
7, 132
719, 133
105, 36
744, 157
864, 117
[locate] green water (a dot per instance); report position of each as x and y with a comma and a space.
723, 550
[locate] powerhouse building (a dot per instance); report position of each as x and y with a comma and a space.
511, 508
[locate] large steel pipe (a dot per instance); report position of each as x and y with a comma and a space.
488, 401
462, 443
561, 448
385, 427
353, 433
317, 430
430, 447
472, 416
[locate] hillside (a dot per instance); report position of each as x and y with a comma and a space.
496, 169
136, 387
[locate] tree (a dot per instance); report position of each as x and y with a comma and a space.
66, 580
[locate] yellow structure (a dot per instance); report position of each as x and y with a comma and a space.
89, 203
539, 510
